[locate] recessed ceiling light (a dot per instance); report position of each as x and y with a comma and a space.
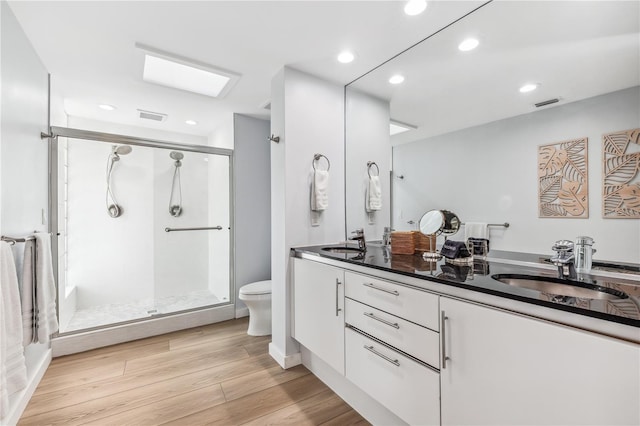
396, 79
415, 7
529, 87
468, 44
346, 57
185, 74
106, 107
191, 122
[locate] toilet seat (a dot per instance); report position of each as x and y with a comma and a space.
256, 289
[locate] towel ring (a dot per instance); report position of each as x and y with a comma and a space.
371, 164
316, 157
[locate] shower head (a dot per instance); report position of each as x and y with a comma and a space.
121, 150
176, 155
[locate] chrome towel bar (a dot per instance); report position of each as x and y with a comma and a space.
203, 228
505, 225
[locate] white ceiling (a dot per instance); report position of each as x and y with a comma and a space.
574, 49
88, 47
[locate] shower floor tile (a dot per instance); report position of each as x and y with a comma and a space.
101, 315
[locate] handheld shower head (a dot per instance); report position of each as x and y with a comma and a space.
121, 150
175, 155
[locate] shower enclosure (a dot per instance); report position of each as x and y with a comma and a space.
159, 245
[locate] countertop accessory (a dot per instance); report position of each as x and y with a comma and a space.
454, 250
402, 242
583, 249
438, 222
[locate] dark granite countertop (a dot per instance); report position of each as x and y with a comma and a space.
623, 307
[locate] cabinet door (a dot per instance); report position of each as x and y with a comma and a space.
318, 304
508, 369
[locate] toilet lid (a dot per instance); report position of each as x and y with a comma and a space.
260, 287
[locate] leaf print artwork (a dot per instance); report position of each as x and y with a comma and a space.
620, 178
573, 198
563, 190
550, 160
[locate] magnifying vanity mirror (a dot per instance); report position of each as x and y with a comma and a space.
438, 222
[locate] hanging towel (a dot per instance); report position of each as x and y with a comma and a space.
320, 190
476, 230
28, 295
46, 321
373, 200
13, 368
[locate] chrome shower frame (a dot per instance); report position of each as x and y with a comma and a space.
65, 132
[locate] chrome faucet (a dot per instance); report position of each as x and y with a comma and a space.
358, 235
564, 258
386, 236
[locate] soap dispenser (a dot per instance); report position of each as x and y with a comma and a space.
583, 250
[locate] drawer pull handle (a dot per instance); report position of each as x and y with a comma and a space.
338, 309
371, 285
384, 321
383, 356
443, 339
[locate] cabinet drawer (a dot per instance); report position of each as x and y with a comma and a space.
413, 305
410, 390
413, 339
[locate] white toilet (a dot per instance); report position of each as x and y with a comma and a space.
257, 297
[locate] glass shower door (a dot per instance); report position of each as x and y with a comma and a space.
192, 230
144, 232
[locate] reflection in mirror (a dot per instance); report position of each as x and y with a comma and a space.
432, 222
473, 140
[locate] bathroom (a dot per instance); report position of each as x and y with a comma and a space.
288, 85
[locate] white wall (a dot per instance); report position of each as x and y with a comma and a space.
23, 166
314, 112
111, 260
252, 195
488, 173
367, 130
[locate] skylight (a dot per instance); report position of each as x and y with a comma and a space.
181, 73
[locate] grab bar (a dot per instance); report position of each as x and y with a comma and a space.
204, 228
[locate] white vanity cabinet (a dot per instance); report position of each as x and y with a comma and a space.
318, 320
505, 368
391, 353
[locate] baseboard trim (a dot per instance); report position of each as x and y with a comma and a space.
24, 396
80, 342
285, 361
242, 312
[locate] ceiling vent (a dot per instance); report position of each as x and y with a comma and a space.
547, 102
154, 116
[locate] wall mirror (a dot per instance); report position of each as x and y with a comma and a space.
469, 124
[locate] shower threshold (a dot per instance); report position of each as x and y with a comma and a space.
114, 313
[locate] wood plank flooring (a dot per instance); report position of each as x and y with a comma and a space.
215, 374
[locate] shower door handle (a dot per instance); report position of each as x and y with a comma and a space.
204, 228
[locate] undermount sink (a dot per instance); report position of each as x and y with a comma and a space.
342, 249
559, 286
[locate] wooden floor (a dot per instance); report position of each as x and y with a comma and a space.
207, 375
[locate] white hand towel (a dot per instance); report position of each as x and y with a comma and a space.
476, 230
320, 190
374, 194
46, 321
28, 295
13, 368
